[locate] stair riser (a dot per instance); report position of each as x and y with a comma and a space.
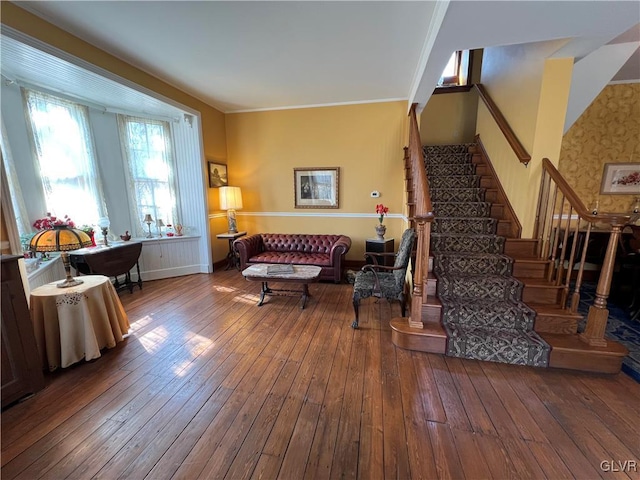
432, 284
511, 318
443, 170
482, 169
504, 229
446, 149
461, 181
491, 196
530, 270
486, 226
466, 244
497, 211
457, 195
431, 313
452, 264
555, 324
542, 295
449, 159
462, 209
521, 248
505, 288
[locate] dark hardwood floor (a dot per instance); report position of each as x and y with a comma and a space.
208, 385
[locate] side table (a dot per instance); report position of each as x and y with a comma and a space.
77, 322
373, 245
232, 257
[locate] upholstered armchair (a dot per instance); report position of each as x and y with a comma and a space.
384, 282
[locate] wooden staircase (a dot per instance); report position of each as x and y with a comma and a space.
555, 322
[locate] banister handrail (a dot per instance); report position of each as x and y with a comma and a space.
422, 197
506, 130
576, 202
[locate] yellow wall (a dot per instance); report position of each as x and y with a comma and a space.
532, 93
607, 132
449, 118
365, 141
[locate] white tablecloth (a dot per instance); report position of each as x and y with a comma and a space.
77, 322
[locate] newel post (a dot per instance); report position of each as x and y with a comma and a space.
415, 320
598, 313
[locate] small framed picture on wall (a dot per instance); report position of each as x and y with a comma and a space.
217, 175
620, 179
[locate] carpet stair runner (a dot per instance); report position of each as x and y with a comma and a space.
482, 309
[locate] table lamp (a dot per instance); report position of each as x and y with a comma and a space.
104, 223
61, 239
230, 200
159, 224
148, 220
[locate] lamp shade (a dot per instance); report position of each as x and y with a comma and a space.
230, 198
103, 222
59, 239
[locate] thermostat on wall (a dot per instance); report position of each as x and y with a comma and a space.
375, 194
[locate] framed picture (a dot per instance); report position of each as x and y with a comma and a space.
217, 175
621, 179
316, 187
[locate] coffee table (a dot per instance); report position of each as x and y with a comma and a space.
302, 274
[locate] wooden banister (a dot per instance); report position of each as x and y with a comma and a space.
576, 202
547, 226
506, 130
423, 217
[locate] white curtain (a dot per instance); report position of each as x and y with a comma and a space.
148, 152
66, 157
13, 192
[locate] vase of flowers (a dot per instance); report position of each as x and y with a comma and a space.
381, 229
51, 221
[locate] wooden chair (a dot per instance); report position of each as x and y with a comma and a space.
380, 281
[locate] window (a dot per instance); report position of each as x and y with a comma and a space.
456, 73
65, 157
148, 151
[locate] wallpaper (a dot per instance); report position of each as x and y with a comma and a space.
607, 132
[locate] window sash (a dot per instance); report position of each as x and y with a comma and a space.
148, 152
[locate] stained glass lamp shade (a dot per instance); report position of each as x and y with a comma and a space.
61, 239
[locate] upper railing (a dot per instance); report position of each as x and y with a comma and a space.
563, 227
506, 130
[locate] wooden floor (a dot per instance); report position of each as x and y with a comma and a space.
208, 385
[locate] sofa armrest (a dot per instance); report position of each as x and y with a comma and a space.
339, 249
247, 247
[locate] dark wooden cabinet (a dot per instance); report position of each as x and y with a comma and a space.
21, 363
381, 246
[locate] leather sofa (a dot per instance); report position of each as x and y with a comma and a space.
325, 251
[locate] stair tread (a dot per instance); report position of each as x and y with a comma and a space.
538, 282
573, 343
531, 260
553, 310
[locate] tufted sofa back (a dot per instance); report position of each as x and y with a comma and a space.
277, 242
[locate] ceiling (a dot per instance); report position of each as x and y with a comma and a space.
258, 55
239, 56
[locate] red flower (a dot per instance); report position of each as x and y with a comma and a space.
50, 221
382, 211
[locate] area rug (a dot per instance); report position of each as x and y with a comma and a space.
620, 327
